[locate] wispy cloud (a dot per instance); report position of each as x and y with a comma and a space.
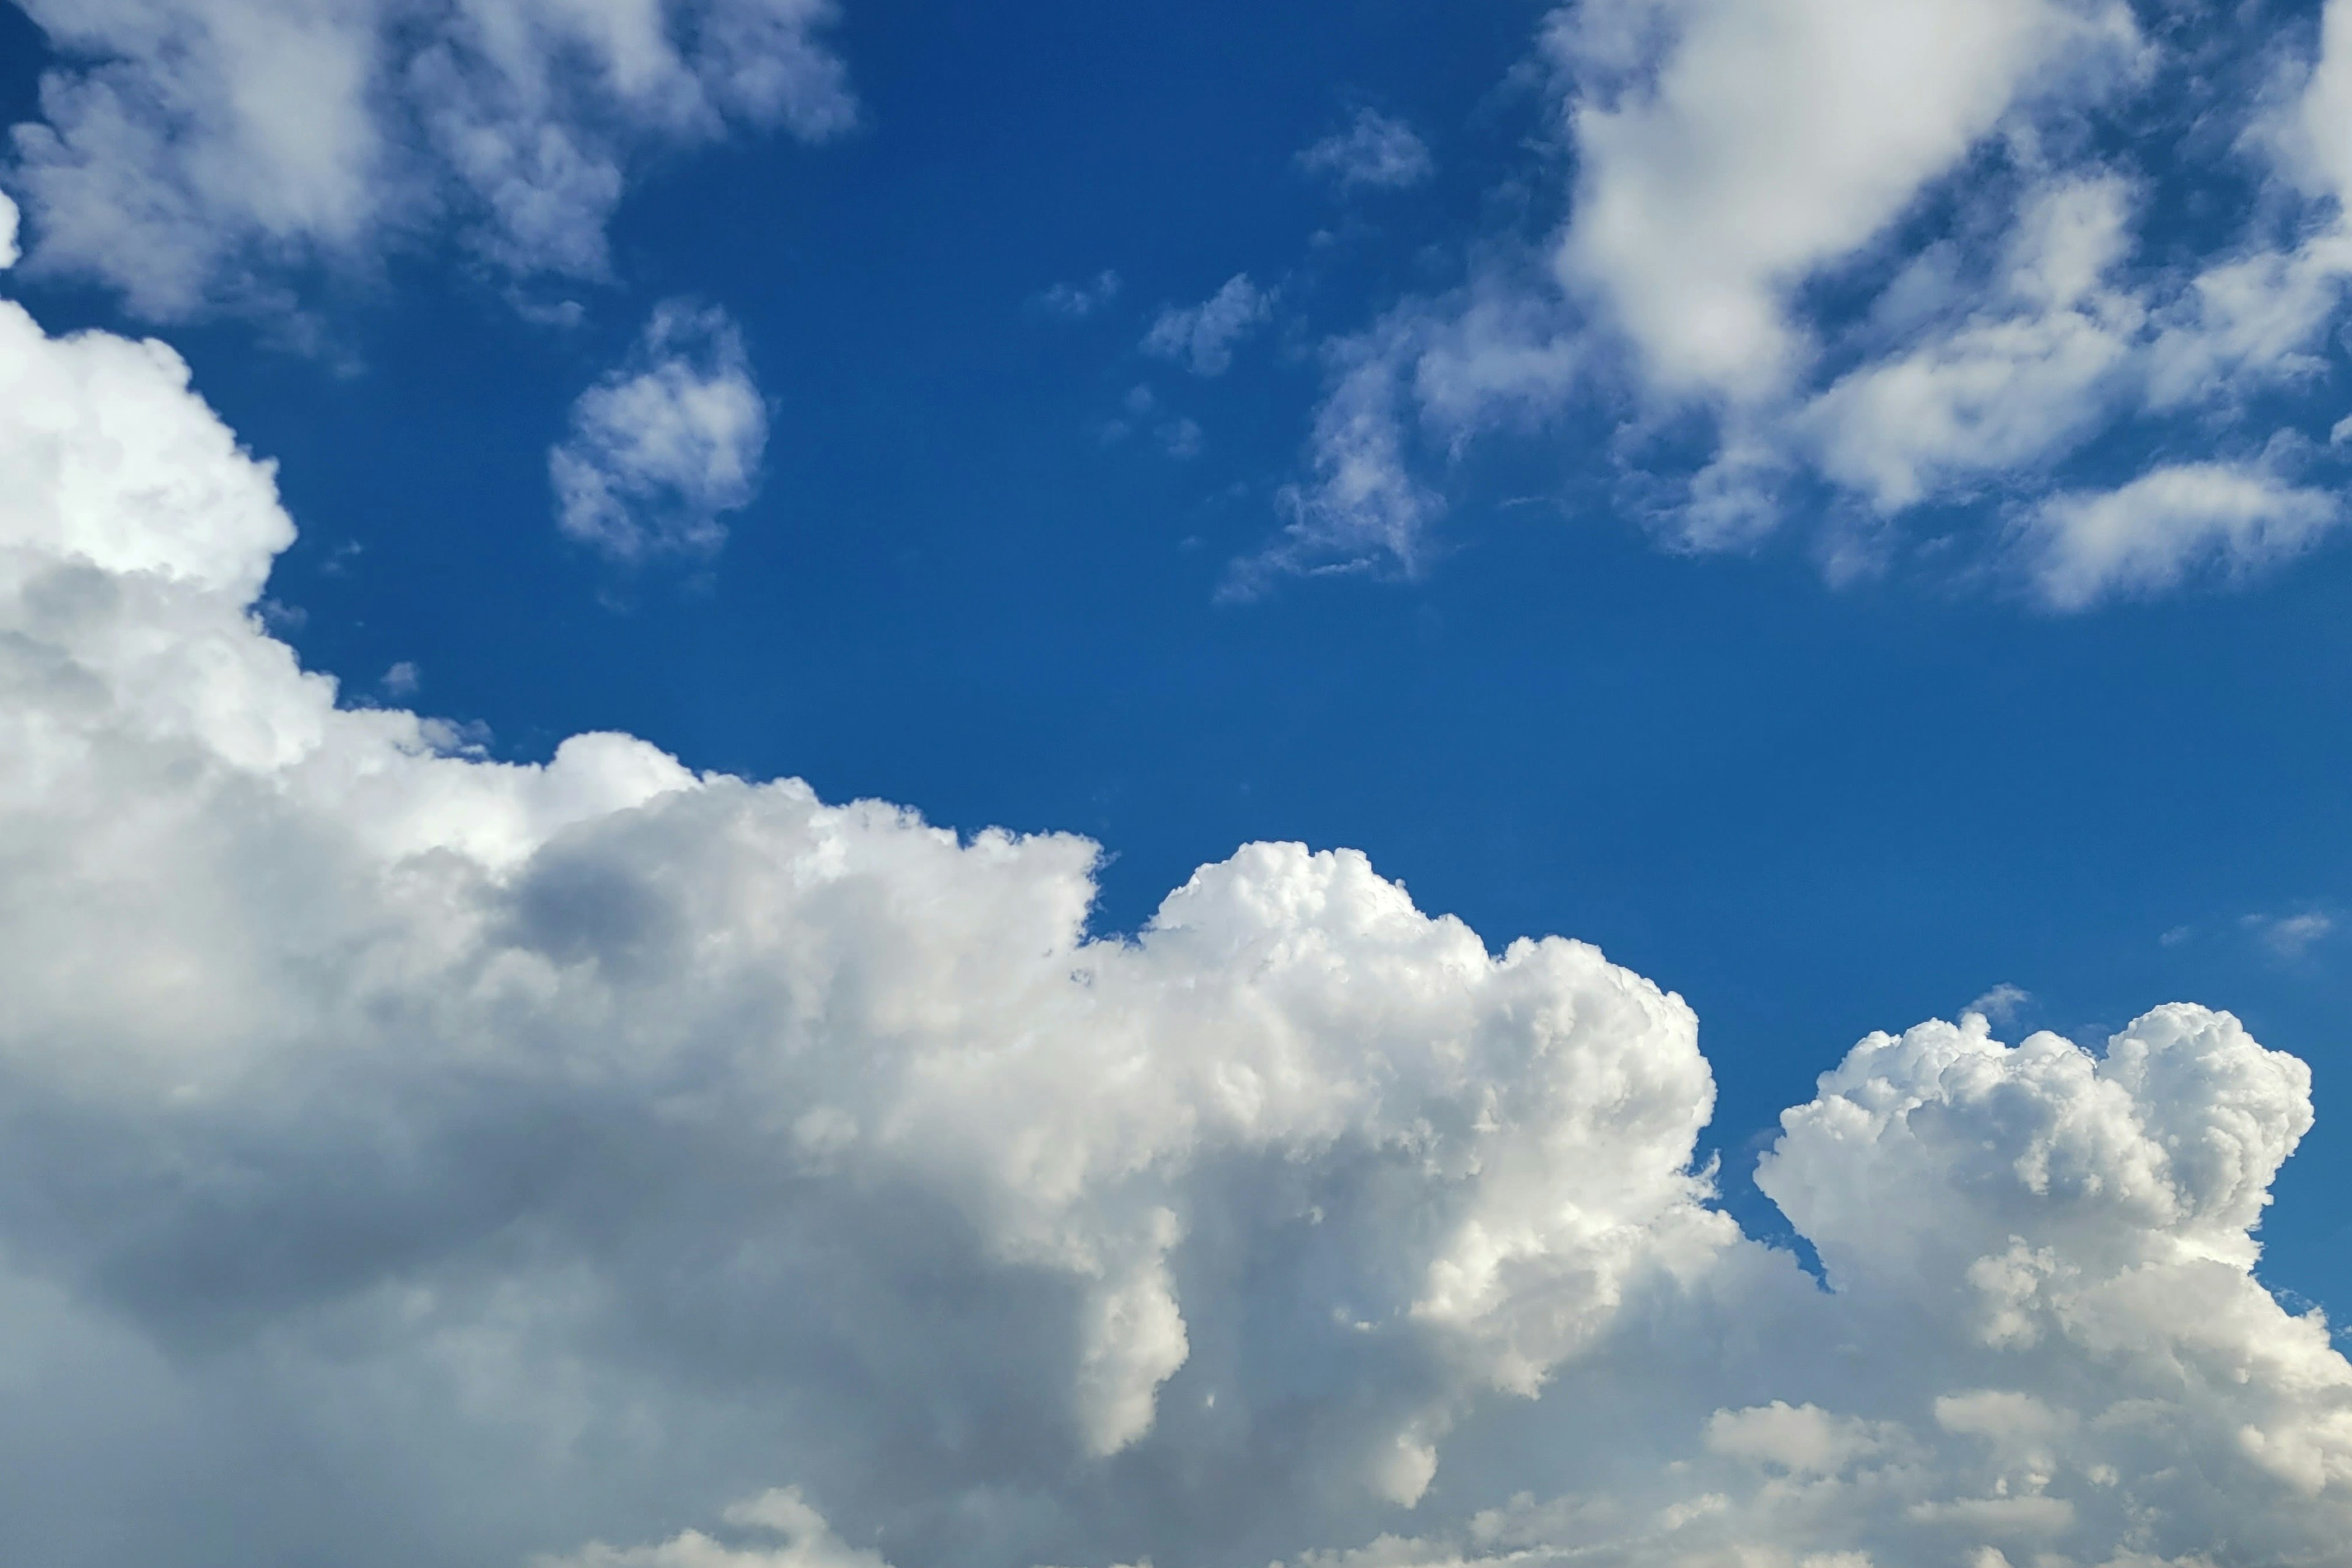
1077, 301
2290, 937
2001, 1004
1201, 338
1374, 151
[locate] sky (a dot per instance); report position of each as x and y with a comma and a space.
793, 786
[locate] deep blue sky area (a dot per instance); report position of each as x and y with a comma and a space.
1815, 810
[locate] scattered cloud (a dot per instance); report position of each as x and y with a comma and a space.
8, 217
1076, 301
1202, 337
192, 156
1857, 265
1430, 374
2147, 536
402, 680
2290, 937
1374, 151
1726, 153
1999, 1005
519, 1156
663, 447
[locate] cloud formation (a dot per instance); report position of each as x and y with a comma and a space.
662, 447
1201, 338
1867, 263
196, 154
1076, 301
2290, 937
1374, 151
2145, 536
411, 1156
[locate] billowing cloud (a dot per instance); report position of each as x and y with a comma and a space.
1853, 264
1374, 151
1201, 338
411, 1156
191, 154
662, 447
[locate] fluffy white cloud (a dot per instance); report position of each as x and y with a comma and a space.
411, 1157
2017, 378
1201, 338
1849, 261
191, 153
1374, 151
665, 444
2042, 1341
8, 231
1728, 150
2146, 536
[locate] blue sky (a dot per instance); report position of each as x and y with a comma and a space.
1700, 525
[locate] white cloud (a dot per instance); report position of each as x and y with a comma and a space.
1182, 438
2291, 936
1365, 508
8, 251
1734, 295
1374, 151
2150, 534
2044, 1342
2309, 136
2015, 381
1802, 1440
415, 1157
1202, 337
662, 447
1076, 301
2000, 1004
191, 154
1727, 151
807, 1542
1430, 372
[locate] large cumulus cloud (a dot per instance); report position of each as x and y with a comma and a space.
406, 1156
